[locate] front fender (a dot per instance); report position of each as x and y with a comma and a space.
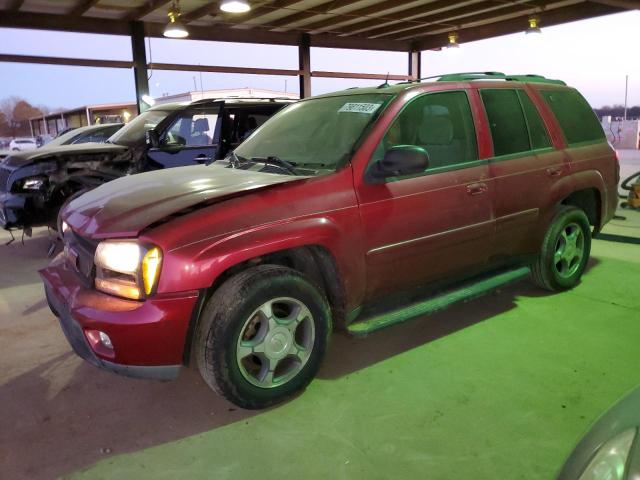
198, 265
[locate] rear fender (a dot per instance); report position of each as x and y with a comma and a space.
584, 180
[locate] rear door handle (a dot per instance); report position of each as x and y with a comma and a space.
476, 188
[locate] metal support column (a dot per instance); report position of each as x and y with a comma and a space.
304, 64
140, 73
415, 64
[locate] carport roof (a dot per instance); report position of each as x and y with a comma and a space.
362, 24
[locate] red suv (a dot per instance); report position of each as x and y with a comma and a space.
321, 218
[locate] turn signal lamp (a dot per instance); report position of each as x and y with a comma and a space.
151, 269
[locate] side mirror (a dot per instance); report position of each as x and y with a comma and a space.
399, 161
153, 139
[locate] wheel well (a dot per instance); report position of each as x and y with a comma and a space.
313, 261
589, 201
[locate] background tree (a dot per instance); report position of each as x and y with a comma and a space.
16, 112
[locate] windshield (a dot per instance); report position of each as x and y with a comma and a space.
62, 139
315, 134
134, 132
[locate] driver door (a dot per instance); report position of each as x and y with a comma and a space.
436, 224
191, 138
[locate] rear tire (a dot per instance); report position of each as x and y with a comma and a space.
262, 336
565, 251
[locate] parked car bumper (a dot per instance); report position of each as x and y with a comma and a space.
148, 337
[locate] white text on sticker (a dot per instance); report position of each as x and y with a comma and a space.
367, 108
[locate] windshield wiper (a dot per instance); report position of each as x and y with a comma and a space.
278, 162
235, 160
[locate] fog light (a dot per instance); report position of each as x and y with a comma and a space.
106, 341
100, 343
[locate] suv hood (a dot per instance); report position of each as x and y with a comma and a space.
18, 159
124, 207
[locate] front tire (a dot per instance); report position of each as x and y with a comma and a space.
565, 251
262, 336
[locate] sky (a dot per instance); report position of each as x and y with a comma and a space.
593, 55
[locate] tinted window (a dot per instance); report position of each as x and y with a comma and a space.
506, 121
441, 123
537, 132
192, 129
577, 120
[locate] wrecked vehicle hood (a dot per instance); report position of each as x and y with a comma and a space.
124, 207
18, 159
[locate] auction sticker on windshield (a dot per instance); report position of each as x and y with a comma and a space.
367, 108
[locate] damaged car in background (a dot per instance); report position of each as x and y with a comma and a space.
34, 185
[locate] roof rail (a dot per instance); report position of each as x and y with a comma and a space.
469, 76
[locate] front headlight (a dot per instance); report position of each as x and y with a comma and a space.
127, 269
611, 459
34, 183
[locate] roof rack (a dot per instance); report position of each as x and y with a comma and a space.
469, 76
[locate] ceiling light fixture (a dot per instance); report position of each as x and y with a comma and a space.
453, 40
534, 27
235, 6
175, 28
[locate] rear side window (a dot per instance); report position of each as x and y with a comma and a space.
506, 121
576, 118
537, 132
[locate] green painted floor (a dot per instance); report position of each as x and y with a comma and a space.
498, 388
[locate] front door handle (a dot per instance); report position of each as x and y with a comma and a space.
202, 158
476, 188
555, 171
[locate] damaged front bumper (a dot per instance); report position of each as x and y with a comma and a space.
12, 210
147, 337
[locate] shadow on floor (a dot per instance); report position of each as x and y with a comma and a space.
74, 415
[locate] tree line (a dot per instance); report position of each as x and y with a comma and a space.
15, 113
617, 111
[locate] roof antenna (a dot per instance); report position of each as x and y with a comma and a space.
386, 82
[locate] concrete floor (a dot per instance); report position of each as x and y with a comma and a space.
500, 387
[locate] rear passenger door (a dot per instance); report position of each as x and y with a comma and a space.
437, 223
524, 168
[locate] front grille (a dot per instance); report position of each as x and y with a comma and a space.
4, 178
80, 252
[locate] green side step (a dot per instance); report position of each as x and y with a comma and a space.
441, 301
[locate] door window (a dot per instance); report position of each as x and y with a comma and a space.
577, 120
441, 123
506, 121
537, 132
192, 129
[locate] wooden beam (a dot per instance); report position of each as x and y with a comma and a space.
73, 62
221, 33
364, 76
307, 13
82, 7
458, 22
140, 70
145, 9
350, 16
304, 64
200, 12
422, 12
222, 69
627, 4
557, 16
15, 5
415, 64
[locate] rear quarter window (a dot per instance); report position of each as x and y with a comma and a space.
575, 116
